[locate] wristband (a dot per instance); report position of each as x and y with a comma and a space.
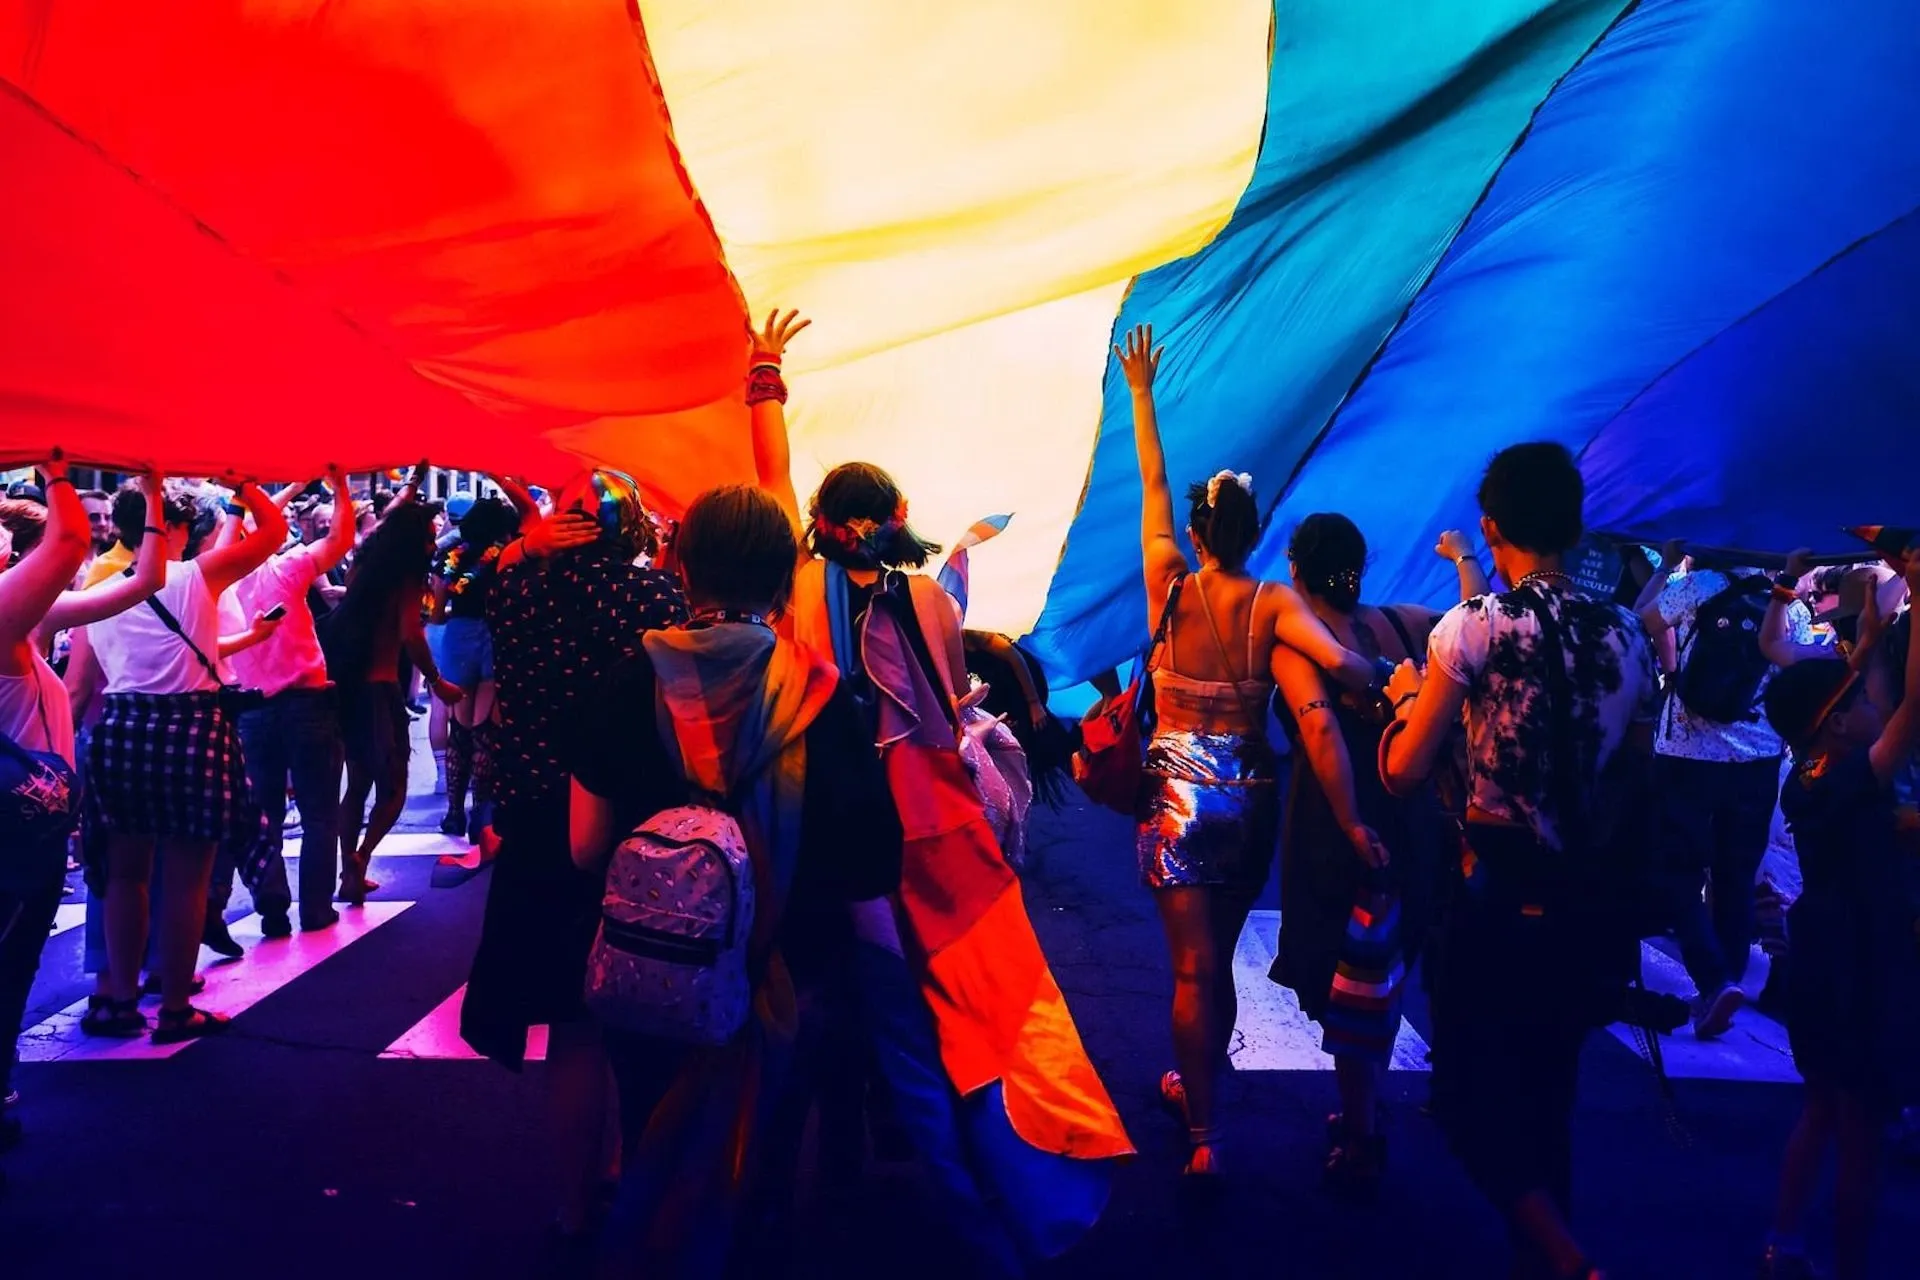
765, 383
57, 480
151, 529
1463, 559
1403, 700
1788, 581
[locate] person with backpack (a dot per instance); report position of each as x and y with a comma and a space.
569, 603
729, 776
1559, 695
1717, 771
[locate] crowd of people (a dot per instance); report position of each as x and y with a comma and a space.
751, 861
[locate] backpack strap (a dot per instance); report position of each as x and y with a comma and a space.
1569, 806
779, 872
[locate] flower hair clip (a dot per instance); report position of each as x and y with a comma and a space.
1240, 478
862, 536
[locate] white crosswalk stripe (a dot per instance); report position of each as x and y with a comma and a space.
436, 1037
1273, 1033
231, 988
68, 915
1755, 1049
401, 844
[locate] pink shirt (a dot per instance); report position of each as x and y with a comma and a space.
291, 657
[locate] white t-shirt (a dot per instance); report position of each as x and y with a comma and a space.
34, 710
138, 654
1683, 734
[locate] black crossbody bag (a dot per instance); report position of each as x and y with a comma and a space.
233, 699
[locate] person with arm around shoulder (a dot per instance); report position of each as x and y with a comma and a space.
1208, 813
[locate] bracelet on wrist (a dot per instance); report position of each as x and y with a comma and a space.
1466, 558
764, 383
58, 480
152, 529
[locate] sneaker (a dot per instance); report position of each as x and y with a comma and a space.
1777, 1265
216, 939
1713, 1018
275, 924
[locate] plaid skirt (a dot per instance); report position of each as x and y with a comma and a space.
168, 765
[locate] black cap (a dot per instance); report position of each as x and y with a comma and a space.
27, 489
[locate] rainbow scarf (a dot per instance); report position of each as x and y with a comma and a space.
740, 701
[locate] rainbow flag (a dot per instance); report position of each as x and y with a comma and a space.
955, 576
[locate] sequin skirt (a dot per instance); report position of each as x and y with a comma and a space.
1209, 811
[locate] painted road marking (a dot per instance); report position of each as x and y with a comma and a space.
1274, 1033
436, 1037
232, 988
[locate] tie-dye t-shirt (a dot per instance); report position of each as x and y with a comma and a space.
1492, 645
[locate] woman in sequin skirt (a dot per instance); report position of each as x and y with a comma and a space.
1209, 805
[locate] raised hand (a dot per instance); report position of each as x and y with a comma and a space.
54, 468
770, 341
1453, 546
1872, 624
1139, 358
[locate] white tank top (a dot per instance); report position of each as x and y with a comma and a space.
138, 654
34, 710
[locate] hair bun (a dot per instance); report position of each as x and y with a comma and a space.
1238, 478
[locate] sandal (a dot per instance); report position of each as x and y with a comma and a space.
117, 1019
1203, 1160
1173, 1096
177, 1025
